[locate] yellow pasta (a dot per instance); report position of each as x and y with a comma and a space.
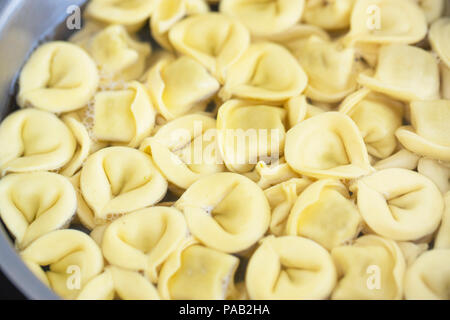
299, 109
439, 34
437, 171
442, 240
58, 77
330, 15
433, 9
32, 140
268, 175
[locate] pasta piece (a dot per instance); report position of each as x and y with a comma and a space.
438, 36
179, 85
399, 204
436, 171
84, 213
214, 40
58, 77
428, 278
445, 81
249, 133
72, 259
130, 13
429, 133
296, 34
185, 149
144, 239
118, 180
371, 268
401, 159
299, 109
83, 37
118, 55
264, 18
118, 283
377, 117
97, 233
225, 211
442, 240
195, 272
291, 268
270, 175
33, 204
169, 12
266, 72
330, 14
387, 21
404, 72
328, 145
324, 213
124, 116
282, 198
433, 9
411, 251
330, 69
32, 140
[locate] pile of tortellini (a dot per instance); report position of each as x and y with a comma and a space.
103, 201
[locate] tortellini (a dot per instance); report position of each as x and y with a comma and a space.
442, 240
118, 55
299, 109
264, 18
428, 278
429, 133
330, 69
143, 240
118, 283
117, 180
282, 198
399, 204
265, 72
268, 175
225, 211
387, 21
401, 159
130, 13
405, 73
243, 141
371, 268
58, 77
324, 213
169, 12
377, 117
32, 140
439, 35
437, 171
433, 9
179, 85
214, 40
33, 204
330, 14
66, 253
124, 116
328, 145
185, 149
292, 267
197, 272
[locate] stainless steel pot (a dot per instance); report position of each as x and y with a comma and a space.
23, 23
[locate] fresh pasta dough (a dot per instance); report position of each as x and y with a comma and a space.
324, 212
32, 140
292, 267
179, 85
33, 204
372, 268
328, 145
265, 72
64, 252
58, 77
428, 135
144, 239
404, 72
117, 180
399, 204
185, 149
124, 116
377, 117
225, 211
118, 283
229, 40
243, 142
195, 272
428, 278
264, 18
